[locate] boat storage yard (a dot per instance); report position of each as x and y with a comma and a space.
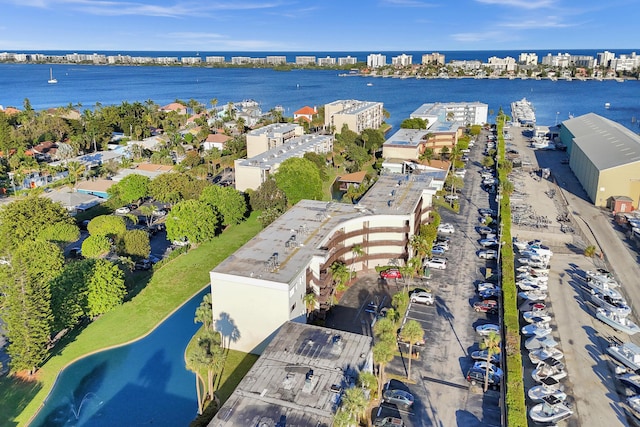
589, 373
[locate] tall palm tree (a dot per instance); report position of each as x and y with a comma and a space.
75, 169
385, 329
383, 353
491, 343
340, 275
355, 403
411, 332
357, 252
310, 300
204, 312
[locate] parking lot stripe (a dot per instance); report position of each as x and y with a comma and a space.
447, 383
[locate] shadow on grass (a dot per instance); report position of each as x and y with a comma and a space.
15, 394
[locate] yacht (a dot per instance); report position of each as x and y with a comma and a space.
551, 411
611, 300
541, 354
539, 329
626, 353
549, 368
51, 79
617, 322
535, 343
548, 387
536, 316
536, 295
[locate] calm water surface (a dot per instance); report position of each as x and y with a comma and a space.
108, 85
144, 383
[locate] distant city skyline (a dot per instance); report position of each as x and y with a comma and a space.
330, 25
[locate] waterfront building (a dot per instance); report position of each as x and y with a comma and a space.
466, 65
253, 171
347, 60
276, 59
328, 61
626, 62
433, 59
604, 58
561, 60
298, 379
604, 156
528, 58
191, 60
214, 59
305, 113
356, 115
240, 60
167, 60
174, 106
402, 60
502, 64
271, 136
294, 254
305, 60
376, 60
465, 113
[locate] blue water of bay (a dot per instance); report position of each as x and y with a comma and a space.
111, 85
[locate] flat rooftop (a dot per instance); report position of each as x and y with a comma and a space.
407, 137
298, 378
281, 251
274, 129
294, 147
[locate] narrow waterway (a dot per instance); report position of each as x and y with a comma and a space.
143, 383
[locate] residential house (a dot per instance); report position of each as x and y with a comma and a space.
215, 140
305, 113
174, 106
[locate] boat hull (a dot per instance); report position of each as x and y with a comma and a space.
629, 328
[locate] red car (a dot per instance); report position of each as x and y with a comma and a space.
486, 306
391, 274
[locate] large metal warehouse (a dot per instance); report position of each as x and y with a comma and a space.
604, 156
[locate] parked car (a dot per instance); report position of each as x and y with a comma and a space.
483, 229
486, 329
437, 250
144, 264
422, 298
398, 397
488, 242
451, 197
446, 228
475, 376
481, 355
75, 252
482, 286
392, 273
486, 306
437, 263
388, 422
159, 212
488, 294
482, 364
444, 244
123, 210
488, 254
182, 242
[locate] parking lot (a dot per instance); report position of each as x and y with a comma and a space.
442, 394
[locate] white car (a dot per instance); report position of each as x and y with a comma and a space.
485, 243
488, 254
451, 197
492, 368
437, 250
437, 263
486, 329
422, 298
123, 210
446, 228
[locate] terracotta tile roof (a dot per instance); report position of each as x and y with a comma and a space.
306, 111
153, 167
45, 147
174, 106
10, 111
437, 164
97, 185
217, 137
353, 177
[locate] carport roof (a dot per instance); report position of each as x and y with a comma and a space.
606, 143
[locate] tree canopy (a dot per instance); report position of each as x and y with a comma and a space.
135, 244
194, 220
69, 294
415, 123
175, 187
269, 196
96, 246
34, 218
106, 289
131, 188
230, 202
107, 225
299, 179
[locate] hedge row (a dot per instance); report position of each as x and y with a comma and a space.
515, 400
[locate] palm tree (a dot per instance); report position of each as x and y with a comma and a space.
214, 103
385, 329
204, 312
383, 353
75, 169
409, 270
411, 332
147, 211
342, 418
340, 275
491, 343
356, 251
310, 300
355, 403
196, 359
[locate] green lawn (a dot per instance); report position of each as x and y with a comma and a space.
170, 286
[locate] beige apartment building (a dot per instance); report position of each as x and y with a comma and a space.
271, 136
357, 115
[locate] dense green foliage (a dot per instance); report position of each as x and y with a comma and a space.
27, 302
269, 199
299, 179
131, 188
415, 123
96, 246
135, 244
194, 220
107, 225
34, 218
175, 187
69, 294
229, 202
106, 289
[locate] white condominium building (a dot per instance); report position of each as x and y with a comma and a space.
357, 115
376, 60
271, 136
402, 60
528, 58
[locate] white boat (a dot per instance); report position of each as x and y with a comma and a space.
532, 305
600, 278
611, 300
532, 277
51, 79
633, 406
627, 353
620, 323
540, 354
527, 285
551, 411
540, 329
369, 84
607, 105
549, 368
534, 316
535, 343
548, 387
533, 295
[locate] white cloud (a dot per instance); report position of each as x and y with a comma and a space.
548, 22
406, 3
478, 37
523, 4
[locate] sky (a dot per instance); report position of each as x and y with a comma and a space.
320, 25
